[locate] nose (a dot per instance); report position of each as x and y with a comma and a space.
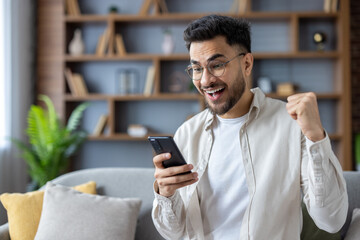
207, 78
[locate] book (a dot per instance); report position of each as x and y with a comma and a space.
75, 6
119, 45
242, 6
162, 6
100, 47
239, 6
70, 81
110, 39
145, 7
149, 83
72, 7
103, 42
327, 6
69, 9
100, 125
334, 5
80, 84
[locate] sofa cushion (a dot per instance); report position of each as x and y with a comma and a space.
24, 210
353, 232
68, 214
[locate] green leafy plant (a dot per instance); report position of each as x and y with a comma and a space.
51, 143
357, 150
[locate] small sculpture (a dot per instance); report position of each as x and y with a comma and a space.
168, 43
77, 46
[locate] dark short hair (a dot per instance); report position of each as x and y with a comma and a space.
235, 30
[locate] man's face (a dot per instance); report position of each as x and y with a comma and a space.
224, 92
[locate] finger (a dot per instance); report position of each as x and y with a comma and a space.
169, 190
179, 169
172, 171
292, 110
295, 97
158, 159
178, 179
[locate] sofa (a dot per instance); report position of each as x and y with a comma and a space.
138, 183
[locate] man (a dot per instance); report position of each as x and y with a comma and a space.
252, 158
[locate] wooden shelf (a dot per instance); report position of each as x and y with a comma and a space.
127, 57
185, 56
154, 97
172, 96
192, 16
294, 55
335, 96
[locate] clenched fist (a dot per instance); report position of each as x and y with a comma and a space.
303, 108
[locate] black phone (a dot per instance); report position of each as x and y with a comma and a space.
166, 144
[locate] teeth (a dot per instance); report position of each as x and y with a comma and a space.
214, 91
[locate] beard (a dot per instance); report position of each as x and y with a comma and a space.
235, 92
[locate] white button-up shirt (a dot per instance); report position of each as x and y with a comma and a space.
280, 165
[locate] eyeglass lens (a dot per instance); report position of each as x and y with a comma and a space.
215, 67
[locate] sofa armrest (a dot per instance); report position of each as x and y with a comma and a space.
4, 232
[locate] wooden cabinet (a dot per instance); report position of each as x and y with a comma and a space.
283, 49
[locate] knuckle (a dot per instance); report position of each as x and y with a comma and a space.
172, 171
167, 188
311, 95
161, 183
156, 159
176, 179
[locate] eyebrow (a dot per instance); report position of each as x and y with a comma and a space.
213, 57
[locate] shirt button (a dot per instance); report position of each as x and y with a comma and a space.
318, 179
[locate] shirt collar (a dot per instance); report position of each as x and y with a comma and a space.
255, 107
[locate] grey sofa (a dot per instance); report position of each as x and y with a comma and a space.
138, 182
116, 182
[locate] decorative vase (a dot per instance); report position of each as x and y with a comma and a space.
168, 44
76, 46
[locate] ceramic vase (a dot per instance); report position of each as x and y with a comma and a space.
168, 44
76, 46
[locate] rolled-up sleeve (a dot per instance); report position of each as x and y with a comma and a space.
323, 184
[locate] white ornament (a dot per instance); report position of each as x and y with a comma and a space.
76, 46
168, 44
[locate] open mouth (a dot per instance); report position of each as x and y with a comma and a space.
215, 94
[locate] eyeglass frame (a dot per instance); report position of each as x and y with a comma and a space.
207, 67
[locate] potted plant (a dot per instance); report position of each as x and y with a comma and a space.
51, 143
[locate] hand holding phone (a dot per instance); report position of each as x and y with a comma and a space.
180, 176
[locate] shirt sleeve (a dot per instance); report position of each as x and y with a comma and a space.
168, 215
323, 185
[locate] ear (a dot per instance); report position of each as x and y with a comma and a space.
248, 61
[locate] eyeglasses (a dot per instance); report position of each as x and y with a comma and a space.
215, 68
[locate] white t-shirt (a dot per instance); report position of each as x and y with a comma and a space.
222, 190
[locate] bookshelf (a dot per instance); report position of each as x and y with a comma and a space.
284, 53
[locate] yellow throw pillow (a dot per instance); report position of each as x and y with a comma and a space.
24, 210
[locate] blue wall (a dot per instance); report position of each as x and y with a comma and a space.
166, 117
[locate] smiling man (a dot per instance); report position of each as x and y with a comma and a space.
253, 159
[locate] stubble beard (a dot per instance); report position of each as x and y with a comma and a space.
235, 94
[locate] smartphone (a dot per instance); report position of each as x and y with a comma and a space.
166, 144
